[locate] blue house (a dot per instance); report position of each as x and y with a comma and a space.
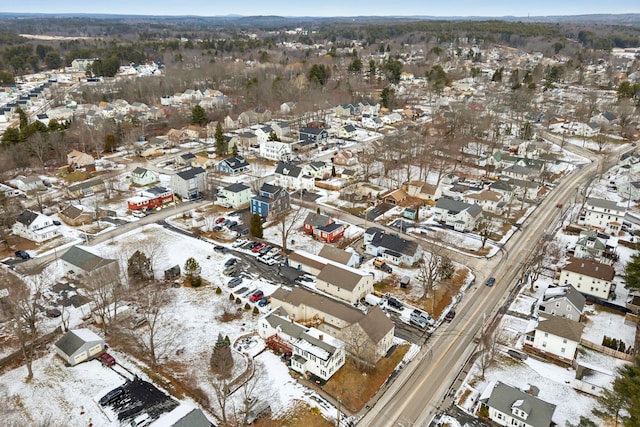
233, 166
270, 202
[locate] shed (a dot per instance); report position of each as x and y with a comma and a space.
79, 345
172, 273
404, 282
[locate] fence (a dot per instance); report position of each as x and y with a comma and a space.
606, 350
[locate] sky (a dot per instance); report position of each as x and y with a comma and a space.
327, 7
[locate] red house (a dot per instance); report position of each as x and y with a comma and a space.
329, 233
150, 198
314, 220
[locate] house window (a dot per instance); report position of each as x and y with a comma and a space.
562, 350
544, 344
564, 341
557, 303
546, 334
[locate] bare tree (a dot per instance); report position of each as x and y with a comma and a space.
287, 220
104, 289
429, 270
485, 228
488, 349
360, 347
222, 393
10, 209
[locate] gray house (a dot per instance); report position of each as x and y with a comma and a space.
81, 262
189, 184
509, 406
563, 301
391, 247
79, 345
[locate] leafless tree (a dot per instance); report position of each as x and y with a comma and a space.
429, 269
488, 350
486, 228
10, 208
287, 220
158, 336
533, 264
251, 394
104, 289
39, 147
359, 347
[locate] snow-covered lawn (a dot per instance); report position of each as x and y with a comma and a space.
600, 323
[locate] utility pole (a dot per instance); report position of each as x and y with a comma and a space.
338, 419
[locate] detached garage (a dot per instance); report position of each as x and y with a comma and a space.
79, 345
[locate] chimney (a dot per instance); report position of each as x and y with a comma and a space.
320, 337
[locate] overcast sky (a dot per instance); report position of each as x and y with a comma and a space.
327, 7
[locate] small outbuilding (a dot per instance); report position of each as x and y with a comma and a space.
79, 345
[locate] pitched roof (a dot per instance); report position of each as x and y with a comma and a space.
236, 162
286, 168
341, 277
311, 262
190, 173
590, 268
605, 204
27, 217
316, 220
561, 327
71, 212
376, 324
335, 254
340, 310
236, 188
84, 260
395, 243
504, 397
72, 341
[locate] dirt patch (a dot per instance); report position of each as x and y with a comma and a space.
356, 389
300, 415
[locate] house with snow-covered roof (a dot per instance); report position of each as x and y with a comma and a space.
391, 247
589, 277
563, 301
603, 215
555, 337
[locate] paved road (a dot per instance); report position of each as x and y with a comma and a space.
418, 393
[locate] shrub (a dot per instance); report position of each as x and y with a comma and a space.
238, 300
218, 290
231, 297
196, 282
247, 306
256, 311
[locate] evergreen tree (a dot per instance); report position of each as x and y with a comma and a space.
192, 269
632, 273
221, 358
621, 402
388, 97
198, 116
220, 141
256, 226
139, 267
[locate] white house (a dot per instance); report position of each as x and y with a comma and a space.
347, 131
35, 226
603, 215
589, 277
318, 170
78, 261
277, 150
293, 177
459, 215
141, 176
556, 337
79, 345
422, 190
341, 256
509, 406
234, 195
391, 247
345, 283
592, 245
592, 379
312, 351
489, 201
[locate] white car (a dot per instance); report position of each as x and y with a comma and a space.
138, 214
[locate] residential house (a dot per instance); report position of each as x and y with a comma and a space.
234, 166
278, 150
528, 190
591, 244
330, 232
340, 256
78, 345
314, 220
281, 128
270, 202
457, 214
509, 406
82, 64
152, 151
345, 158
592, 379
524, 173
395, 197
230, 123
185, 159
189, 184
555, 337
347, 110
287, 108
312, 351
345, 283
629, 190
7, 191
317, 170
493, 162
86, 188
603, 215
391, 118
150, 198
262, 114
306, 262
204, 162
35, 226
313, 135
27, 183
371, 122
564, 301
489, 201
76, 215
339, 319
248, 118
177, 136
143, 177
589, 277
347, 131
80, 262
391, 247
293, 177
263, 133
422, 190
234, 195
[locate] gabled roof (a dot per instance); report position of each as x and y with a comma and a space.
190, 173
287, 169
335, 254
590, 268
72, 341
394, 243
340, 277
236, 188
72, 212
503, 397
456, 206
376, 324
561, 327
312, 131
84, 260
27, 217
316, 220
236, 162
329, 228
325, 304
605, 204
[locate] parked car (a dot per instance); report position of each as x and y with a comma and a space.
263, 301
256, 296
138, 214
56, 222
232, 224
259, 247
230, 262
23, 254
252, 245
220, 248
392, 302
235, 282
491, 281
219, 220
106, 359
265, 250
418, 321
450, 315
111, 396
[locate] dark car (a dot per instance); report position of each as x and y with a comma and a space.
56, 222
395, 303
235, 282
263, 301
491, 281
256, 296
450, 315
23, 254
111, 396
220, 248
232, 224
230, 262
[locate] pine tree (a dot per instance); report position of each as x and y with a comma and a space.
256, 226
221, 358
139, 267
221, 143
192, 269
198, 116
